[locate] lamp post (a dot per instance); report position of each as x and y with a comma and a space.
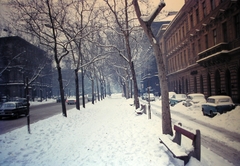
149, 106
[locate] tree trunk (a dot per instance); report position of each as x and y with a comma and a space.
126, 83
166, 116
146, 25
131, 64
98, 90
64, 111
135, 87
83, 92
77, 89
93, 95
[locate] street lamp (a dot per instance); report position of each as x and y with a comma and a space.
149, 106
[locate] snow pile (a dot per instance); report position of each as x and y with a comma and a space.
107, 133
229, 120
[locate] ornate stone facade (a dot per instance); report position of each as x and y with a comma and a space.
202, 48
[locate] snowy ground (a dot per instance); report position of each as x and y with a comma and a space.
107, 133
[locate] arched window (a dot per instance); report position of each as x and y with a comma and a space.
180, 86
218, 89
228, 89
183, 90
238, 84
209, 85
201, 84
195, 85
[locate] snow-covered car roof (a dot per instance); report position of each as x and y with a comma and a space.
220, 98
196, 94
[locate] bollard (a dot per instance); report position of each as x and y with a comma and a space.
149, 112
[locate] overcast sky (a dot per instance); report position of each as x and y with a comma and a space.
171, 5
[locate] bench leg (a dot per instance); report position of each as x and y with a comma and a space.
185, 159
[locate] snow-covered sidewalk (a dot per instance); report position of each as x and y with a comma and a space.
107, 133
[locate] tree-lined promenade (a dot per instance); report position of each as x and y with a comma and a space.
101, 42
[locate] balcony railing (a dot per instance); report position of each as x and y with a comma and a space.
222, 47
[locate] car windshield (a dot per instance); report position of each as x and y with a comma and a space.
211, 100
180, 96
198, 97
224, 100
8, 105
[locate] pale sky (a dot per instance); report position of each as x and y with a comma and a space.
171, 5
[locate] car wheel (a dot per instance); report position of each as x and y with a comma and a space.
17, 115
203, 112
211, 114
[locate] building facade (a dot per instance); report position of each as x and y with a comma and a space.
20, 60
202, 48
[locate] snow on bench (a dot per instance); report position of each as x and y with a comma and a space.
142, 109
174, 145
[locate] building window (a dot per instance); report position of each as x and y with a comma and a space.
183, 33
197, 15
193, 53
181, 65
195, 85
214, 36
199, 45
204, 8
175, 63
201, 85
206, 41
179, 33
191, 21
213, 4
185, 58
237, 25
176, 38
224, 30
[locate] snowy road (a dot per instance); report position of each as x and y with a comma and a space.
218, 141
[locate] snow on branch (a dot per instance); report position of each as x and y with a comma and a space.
151, 17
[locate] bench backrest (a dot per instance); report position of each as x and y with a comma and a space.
196, 139
143, 107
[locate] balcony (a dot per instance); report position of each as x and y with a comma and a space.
214, 55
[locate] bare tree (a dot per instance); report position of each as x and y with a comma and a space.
8, 65
146, 22
123, 22
42, 19
80, 29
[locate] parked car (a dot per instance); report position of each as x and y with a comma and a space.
177, 98
21, 100
13, 109
144, 96
194, 98
150, 97
58, 99
3, 99
217, 104
71, 100
89, 97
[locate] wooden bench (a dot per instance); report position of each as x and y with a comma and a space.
174, 145
142, 110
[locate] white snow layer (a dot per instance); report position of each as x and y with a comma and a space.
109, 132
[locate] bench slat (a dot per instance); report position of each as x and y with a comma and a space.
175, 149
184, 132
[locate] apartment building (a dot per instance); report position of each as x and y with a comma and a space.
201, 47
19, 60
